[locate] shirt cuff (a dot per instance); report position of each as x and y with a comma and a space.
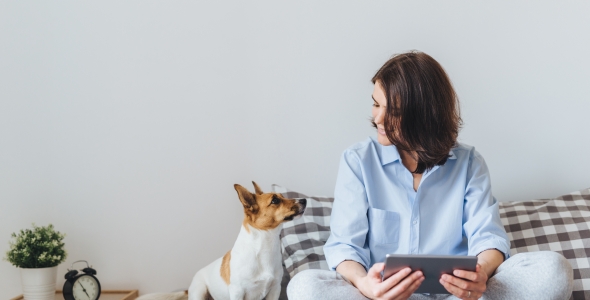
503, 255
491, 244
335, 257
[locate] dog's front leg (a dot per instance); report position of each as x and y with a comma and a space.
236, 292
275, 291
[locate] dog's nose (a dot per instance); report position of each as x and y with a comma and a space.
302, 201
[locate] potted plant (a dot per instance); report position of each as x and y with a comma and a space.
37, 253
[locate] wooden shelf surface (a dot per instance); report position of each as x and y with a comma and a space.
104, 295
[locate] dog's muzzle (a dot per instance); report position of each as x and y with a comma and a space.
302, 203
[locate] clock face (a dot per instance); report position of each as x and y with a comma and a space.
85, 288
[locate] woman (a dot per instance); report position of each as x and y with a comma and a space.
416, 190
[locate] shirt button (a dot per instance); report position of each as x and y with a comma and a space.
415, 222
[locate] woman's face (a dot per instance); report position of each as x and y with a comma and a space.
379, 110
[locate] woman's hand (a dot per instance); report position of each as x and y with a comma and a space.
466, 284
398, 286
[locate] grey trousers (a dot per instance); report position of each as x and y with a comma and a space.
532, 275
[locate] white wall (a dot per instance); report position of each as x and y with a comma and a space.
126, 124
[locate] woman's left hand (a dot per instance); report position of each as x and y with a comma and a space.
466, 284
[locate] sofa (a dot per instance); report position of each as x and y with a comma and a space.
560, 224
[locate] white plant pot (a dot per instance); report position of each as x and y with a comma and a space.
39, 284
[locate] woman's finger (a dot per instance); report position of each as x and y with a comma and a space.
472, 276
460, 283
391, 281
375, 270
478, 276
456, 291
406, 284
410, 290
397, 277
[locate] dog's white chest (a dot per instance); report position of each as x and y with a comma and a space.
257, 263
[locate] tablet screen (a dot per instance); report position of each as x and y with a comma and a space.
433, 267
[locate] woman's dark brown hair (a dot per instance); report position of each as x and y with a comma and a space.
422, 108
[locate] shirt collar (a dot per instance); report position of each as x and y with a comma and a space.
390, 154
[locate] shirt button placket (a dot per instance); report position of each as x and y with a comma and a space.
415, 233
414, 225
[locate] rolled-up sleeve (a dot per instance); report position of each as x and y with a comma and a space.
481, 217
348, 222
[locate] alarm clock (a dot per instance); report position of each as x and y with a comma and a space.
83, 286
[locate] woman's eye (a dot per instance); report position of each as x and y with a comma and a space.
275, 201
375, 105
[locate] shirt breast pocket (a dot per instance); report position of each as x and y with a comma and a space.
384, 226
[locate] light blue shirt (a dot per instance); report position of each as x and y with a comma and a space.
377, 212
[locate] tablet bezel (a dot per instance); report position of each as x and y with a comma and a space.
430, 265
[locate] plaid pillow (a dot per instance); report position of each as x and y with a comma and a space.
303, 239
559, 225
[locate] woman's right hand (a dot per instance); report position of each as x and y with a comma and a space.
397, 287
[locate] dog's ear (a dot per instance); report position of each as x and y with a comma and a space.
257, 189
247, 198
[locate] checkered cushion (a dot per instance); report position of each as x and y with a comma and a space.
559, 225
303, 239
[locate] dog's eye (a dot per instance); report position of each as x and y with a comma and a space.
275, 201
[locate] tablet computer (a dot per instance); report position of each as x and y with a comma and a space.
432, 266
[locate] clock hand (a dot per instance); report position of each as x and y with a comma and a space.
84, 289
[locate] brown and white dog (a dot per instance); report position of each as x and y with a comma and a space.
252, 269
